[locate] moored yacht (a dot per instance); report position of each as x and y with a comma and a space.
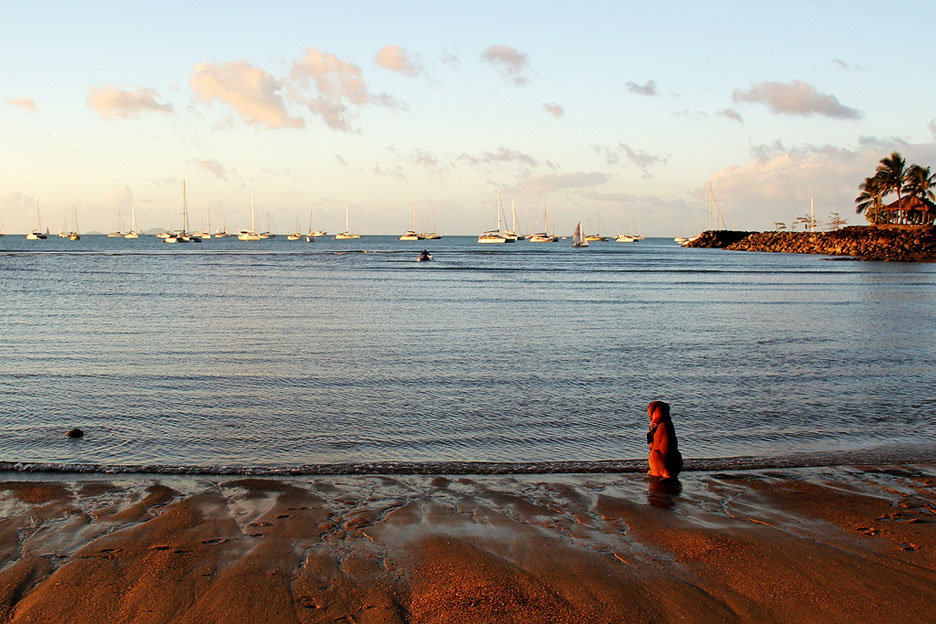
543, 237
132, 233
411, 234
496, 236
251, 234
346, 235
37, 234
183, 236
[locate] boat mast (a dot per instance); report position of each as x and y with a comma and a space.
253, 213
347, 219
184, 208
513, 209
414, 216
498, 210
710, 205
812, 215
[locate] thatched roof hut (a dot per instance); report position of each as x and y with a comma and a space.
910, 211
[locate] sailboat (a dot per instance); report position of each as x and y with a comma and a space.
269, 231
596, 237
132, 233
119, 232
511, 234
579, 239
251, 234
543, 237
183, 236
222, 233
207, 232
347, 233
312, 235
37, 233
297, 234
411, 234
494, 236
74, 235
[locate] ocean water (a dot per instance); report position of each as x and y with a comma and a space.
285, 356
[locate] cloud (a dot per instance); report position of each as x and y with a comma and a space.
339, 85
341, 161
15, 202
650, 88
730, 113
450, 59
513, 64
795, 98
111, 103
840, 63
26, 104
643, 160
502, 155
119, 197
426, 160
779, 182
396, 59
932, 127
249, 90
882, 143
213, 167
551, 183
554, 109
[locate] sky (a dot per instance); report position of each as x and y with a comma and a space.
616, 114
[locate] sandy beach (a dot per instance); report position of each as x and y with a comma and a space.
814, 544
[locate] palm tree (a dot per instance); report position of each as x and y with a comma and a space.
870, 200
891, 171
919, 183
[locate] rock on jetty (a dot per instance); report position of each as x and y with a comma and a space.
891, 243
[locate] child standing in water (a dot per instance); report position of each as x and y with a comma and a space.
665, 460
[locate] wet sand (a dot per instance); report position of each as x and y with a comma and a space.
825, 545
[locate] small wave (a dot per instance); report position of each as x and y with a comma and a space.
904, 455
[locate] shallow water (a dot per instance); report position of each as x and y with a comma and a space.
279, 354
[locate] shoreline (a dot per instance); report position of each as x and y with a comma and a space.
922, 453
840, 543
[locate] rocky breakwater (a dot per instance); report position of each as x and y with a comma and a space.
890, 243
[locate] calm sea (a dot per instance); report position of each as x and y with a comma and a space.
293, 356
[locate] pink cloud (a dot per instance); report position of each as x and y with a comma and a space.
249, 90
512, 63
111, 103
397, 59
26, 104
795, 98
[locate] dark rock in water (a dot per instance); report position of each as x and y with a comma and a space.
718, 239
74, 433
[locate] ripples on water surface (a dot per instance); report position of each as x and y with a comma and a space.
280, 353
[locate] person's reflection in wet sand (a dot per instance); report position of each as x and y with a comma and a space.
663, 492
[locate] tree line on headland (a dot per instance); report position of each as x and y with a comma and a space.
912, 184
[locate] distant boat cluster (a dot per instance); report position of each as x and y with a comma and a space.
183, 235
579, 239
